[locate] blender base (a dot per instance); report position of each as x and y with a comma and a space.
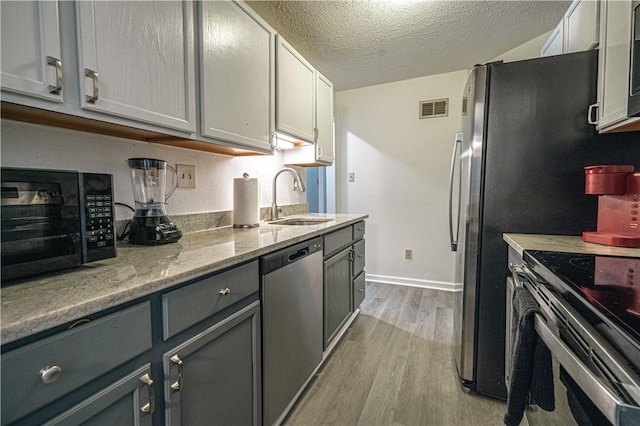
153, 230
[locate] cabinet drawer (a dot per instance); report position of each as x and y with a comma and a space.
337, 240
191, 304
358, 230
358, 260
358, 291
80, 355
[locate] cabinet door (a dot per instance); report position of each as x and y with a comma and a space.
358, 257
337, 293
136, 60
129, 401
295, 93
214, 377
555, 44
324, 119
31, 49
581, 26
237, 74
359, 290
613, 62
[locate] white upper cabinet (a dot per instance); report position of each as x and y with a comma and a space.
581, 26
555, 43
321, 153
578, 30
136, 60
295, 93
613, 67
324, 118
31, 59
237, 75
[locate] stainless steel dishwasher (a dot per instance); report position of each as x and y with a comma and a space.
291, 292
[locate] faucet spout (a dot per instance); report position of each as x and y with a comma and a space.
301, 188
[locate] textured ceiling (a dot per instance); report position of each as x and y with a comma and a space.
361, 43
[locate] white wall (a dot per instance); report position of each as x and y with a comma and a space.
401, 165
31, 145
528, 50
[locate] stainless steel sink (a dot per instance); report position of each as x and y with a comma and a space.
300, 221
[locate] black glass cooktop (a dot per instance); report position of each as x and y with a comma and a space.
605, 290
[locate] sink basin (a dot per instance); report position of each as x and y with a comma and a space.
300, 221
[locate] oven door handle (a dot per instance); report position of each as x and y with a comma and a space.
607, 401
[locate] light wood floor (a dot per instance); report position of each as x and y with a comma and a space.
395, 366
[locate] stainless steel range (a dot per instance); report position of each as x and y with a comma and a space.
590, 320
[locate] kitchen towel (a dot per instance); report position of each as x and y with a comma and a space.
531, 370
246, 212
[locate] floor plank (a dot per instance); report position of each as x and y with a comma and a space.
395, 366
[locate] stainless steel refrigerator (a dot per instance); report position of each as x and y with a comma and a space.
517, 166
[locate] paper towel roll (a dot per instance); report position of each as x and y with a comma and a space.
246, 212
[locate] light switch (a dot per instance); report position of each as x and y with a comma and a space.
352, 176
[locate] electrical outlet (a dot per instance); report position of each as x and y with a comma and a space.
408, 254
186, 176
352, 176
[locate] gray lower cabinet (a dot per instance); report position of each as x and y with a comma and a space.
344, 277
109, 370
358, 290
129, 401
337, 293
37, 374
358, 271
214, 377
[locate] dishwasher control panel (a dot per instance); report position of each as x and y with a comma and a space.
281, 258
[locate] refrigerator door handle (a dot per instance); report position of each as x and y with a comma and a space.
454, 157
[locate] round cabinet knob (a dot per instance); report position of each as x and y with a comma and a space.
50, 374
225, 291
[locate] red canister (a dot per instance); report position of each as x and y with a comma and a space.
606, 179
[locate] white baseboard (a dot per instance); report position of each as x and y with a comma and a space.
414, 282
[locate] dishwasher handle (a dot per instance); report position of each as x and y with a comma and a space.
299, 254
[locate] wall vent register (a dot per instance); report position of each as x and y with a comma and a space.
434, 108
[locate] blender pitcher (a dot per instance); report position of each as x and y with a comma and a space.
150, 223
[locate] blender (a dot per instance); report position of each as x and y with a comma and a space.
150, 224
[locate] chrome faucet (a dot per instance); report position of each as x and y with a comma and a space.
299, 183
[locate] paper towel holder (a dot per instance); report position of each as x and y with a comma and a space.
252, 222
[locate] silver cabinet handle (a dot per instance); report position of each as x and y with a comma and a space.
94, 76
592, 115
454, 241
57, 63
315, 134
50, 374
224, 291
178, 384
150, 406
319, 152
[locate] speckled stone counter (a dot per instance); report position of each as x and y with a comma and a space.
32, 306
570, 244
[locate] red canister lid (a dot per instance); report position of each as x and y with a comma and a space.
613, 168
609, 179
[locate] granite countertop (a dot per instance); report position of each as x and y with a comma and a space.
34, 305
565, 243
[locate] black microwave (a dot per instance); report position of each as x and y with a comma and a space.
54, 220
